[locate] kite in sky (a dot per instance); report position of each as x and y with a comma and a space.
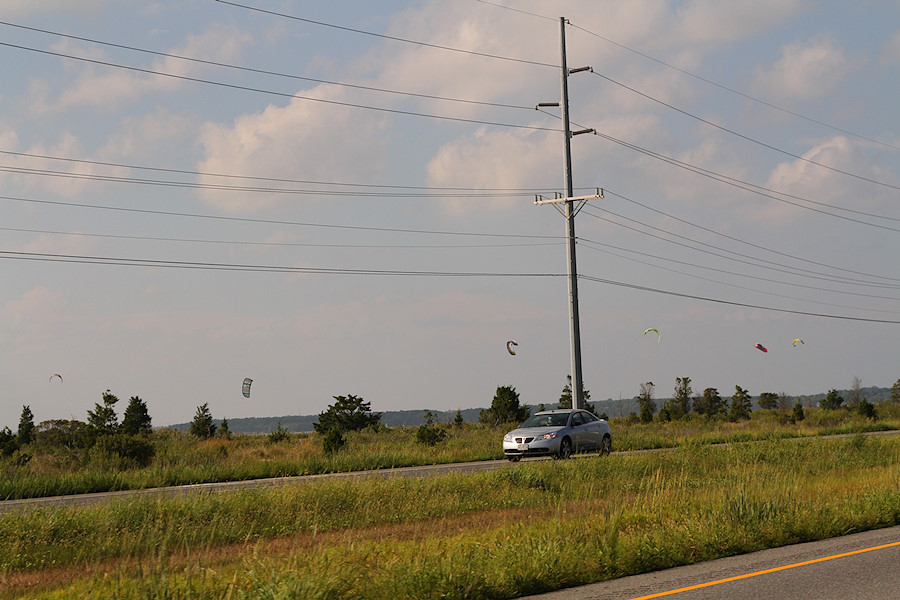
509, 346
798, 340
760, 347
56, 375
245, 389
658, 337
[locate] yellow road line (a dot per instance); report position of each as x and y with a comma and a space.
800, 564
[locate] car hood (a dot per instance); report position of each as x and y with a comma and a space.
533, 431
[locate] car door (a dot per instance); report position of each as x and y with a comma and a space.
579, 441
593, 434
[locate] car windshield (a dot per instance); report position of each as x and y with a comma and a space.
547, 420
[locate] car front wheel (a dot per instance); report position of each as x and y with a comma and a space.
565, 449
606, 446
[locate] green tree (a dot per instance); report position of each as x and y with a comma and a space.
348, 413
333, 440
458, 419
103, 418
710, 403
26, 427
832, 400
504, 408
279, 434
8, 443
202, 425
798, 415
136, 419
895, 392
223, 431
681, 401
430, 433
740, 405
866, 409
768, 400
646, 402
565, 398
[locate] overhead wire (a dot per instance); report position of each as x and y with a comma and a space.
699, 77
263, 71
274, 93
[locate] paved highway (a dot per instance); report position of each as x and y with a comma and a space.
860, 566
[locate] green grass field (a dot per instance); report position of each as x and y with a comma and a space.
520, 529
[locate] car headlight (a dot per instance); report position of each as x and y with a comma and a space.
546, 436
508, 437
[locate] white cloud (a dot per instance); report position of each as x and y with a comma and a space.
297, 138
701, 21
102, 86
38, 306
493, 159
806, 70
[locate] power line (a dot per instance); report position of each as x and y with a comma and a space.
505, 191
751, 244
801, 273
280, 94
701, 78
263, 71
208, 266
390, 37
591, 243
212, 266
732, 303
275, 221
745, 137
734, 91
270, 244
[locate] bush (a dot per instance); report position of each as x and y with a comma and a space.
121, 451
430, 433
333, 440
279, 434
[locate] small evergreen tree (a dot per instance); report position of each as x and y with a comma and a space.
103, 418
866, 409
223, 431
740, 405
26, 427
8, 442
202, 425
136, 418
798, 415
333, 440
565, 398
504, 408
768, 400
458, 419
279, 434
895, 392
710, 403
681, 401
430, 433
832, 400
348, 413
646, 402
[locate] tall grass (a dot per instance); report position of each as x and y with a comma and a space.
181, 459
522, 529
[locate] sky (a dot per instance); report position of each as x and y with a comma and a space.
338, 198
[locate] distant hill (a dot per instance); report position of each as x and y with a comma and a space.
414, 418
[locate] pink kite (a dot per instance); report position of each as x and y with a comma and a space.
760, 347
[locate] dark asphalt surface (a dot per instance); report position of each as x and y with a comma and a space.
871, 573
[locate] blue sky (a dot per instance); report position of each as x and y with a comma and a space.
748, 152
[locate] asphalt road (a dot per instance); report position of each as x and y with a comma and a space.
860, 566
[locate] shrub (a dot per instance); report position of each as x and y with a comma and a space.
121, 450
279, 434
430, 433
333, 440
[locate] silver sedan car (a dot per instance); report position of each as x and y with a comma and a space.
558, 433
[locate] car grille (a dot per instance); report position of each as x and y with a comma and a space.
524, 440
